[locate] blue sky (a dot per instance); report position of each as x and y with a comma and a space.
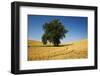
77, 27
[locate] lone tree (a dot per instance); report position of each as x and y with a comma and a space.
53, 32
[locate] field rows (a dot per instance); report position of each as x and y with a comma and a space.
75, 50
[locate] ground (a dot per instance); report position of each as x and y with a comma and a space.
73, 50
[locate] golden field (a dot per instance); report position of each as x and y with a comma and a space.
73, 50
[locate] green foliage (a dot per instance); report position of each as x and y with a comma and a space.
53, 32
44, 39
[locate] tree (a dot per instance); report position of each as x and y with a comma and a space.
54, 31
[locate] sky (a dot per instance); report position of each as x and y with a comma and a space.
77, 27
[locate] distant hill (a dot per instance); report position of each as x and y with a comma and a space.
84, 41
34, 43
39, 43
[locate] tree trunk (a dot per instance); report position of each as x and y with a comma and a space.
56, 45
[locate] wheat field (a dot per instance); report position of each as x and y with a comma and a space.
73, 50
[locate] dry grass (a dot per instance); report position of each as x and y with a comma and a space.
74, 50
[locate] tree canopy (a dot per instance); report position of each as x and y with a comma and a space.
54, 31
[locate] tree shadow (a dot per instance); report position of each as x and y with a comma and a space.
52, 45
